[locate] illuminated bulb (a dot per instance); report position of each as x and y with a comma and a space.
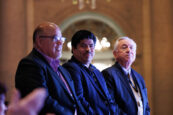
105, 43
98, 45
69, 45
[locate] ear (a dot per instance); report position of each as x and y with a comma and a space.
38, 42
115, 53
72, 49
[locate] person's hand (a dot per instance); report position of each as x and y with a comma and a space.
50, 114
29, 105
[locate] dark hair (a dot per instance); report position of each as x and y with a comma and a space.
3, 88
80, 35
36, 32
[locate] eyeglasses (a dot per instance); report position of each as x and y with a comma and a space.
55, 38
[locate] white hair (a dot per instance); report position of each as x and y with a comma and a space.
123, 38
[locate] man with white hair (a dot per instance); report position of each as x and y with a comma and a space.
126, 86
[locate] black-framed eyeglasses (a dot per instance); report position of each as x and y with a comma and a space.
55, 38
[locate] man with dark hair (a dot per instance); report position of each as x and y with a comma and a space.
90, 85
41, 68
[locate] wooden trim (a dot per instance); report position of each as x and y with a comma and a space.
147, 52
29, 23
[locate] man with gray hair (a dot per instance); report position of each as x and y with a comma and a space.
125, 85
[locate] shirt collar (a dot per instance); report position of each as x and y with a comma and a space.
91, 67
54, 63
126, 71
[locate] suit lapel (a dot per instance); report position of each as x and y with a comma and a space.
101, 83
68, 80
56, 76
124, 80
137, 81
126, 83
93, 82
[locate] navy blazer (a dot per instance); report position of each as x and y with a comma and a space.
34, 71
121, 91
95, 98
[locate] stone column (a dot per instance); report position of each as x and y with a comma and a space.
162, 39
14, 39
147, 51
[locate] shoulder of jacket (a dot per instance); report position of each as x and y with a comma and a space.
34, 60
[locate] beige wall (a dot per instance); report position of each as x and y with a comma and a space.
12, 40
148, 22
162, 32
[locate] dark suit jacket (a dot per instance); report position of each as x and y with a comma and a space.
34, 71
121, 91
95, 98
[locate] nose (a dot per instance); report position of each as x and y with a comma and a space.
128, 49
88, 48
59, 42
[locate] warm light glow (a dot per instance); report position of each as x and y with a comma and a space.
69, 45
82, 3
100, 45
105, 43
101, 66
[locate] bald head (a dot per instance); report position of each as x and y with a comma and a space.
45, 28
48, 39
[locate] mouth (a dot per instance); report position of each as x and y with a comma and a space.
128, 55
58, 50
88, 53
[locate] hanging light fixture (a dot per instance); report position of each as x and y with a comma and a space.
81, 3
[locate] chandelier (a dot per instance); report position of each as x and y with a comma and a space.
81, 3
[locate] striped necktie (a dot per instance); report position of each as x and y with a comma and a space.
132, 84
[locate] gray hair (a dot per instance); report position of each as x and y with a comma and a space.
123, 38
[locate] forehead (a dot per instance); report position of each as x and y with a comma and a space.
126, 42
86, 41
51, 30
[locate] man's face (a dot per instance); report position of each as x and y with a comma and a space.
51, 42
126, 51
84, 51
3, 107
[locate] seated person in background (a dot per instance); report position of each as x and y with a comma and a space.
127, 86
41, 68
90, 85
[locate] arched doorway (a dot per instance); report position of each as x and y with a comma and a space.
103, 27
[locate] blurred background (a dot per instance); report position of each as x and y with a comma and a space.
148, 22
